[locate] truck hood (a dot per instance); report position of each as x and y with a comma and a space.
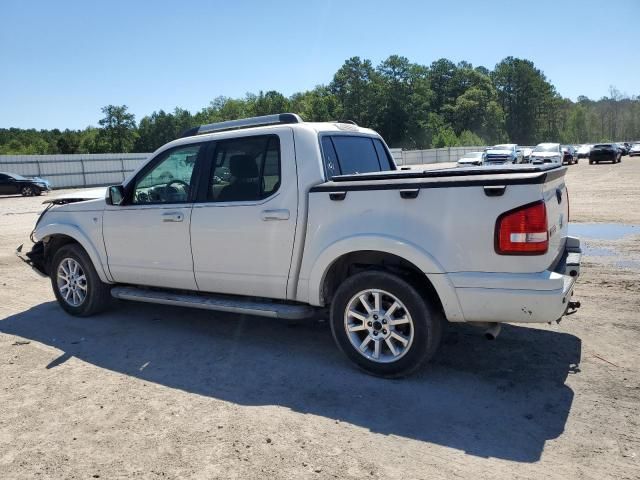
499, 152
544, 154
78, 196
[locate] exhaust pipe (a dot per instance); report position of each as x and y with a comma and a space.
493, 331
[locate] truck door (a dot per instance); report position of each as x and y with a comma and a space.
147, 239
243, 226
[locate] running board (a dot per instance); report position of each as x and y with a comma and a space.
220, 303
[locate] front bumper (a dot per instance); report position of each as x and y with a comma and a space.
34, 258
520, 297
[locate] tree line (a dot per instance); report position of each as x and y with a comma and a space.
413, 106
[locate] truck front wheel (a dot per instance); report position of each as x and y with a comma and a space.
76, 283
384, 325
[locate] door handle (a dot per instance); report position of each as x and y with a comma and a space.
172, 217
281, 214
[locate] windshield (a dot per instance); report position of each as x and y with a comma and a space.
604, 145
546, 148
16, 176
473, 155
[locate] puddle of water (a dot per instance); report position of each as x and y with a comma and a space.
619, 261
598, 251
603, 231
631, 264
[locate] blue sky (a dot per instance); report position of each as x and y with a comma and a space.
60, 62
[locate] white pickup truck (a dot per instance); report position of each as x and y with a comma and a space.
278, 217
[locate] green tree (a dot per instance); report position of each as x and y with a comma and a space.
317, 105
403, 101
353, 86
522, 91
118, 130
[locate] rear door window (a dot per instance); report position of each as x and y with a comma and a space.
348, 154
245, 169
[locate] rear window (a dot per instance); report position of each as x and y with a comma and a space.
348, 154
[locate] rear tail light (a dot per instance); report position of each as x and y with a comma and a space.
523, 231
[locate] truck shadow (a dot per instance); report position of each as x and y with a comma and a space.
499, 399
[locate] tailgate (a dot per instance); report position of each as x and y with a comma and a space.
556, 199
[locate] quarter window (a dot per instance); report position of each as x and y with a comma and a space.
170, 180
349, 154
245, 169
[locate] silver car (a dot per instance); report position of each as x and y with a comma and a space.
471, 158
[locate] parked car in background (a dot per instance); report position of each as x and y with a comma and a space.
503, 154
547, 153
634, 151
624, 150
605, 152
583, 151
471, 158
12, 183
526, 154
569, 155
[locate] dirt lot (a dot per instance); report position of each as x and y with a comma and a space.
155, 392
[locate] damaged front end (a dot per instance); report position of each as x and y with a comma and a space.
34, 258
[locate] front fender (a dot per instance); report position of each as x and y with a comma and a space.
74, 232
311, 289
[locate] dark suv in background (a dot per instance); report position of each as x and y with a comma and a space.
605, 152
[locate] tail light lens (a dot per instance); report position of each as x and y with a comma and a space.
523, 231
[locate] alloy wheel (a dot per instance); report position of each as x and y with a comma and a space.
378, 325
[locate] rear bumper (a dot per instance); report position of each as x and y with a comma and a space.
519, 297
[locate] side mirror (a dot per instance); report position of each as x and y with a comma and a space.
115, 195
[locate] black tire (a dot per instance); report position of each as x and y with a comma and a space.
427, 323
98, 294
27, 191
590, 162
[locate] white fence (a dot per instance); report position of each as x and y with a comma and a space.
89, 170
432, 155
81, 170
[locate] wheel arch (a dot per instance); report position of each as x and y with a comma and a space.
347, 257
55, 236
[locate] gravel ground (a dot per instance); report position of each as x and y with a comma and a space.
146, 391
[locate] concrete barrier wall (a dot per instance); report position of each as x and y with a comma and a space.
82, 170
88, 170
432, 155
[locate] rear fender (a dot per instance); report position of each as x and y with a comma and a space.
387, 244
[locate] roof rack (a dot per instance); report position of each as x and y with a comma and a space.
277, 119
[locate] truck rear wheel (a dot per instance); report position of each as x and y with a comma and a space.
76, 283
384, 325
